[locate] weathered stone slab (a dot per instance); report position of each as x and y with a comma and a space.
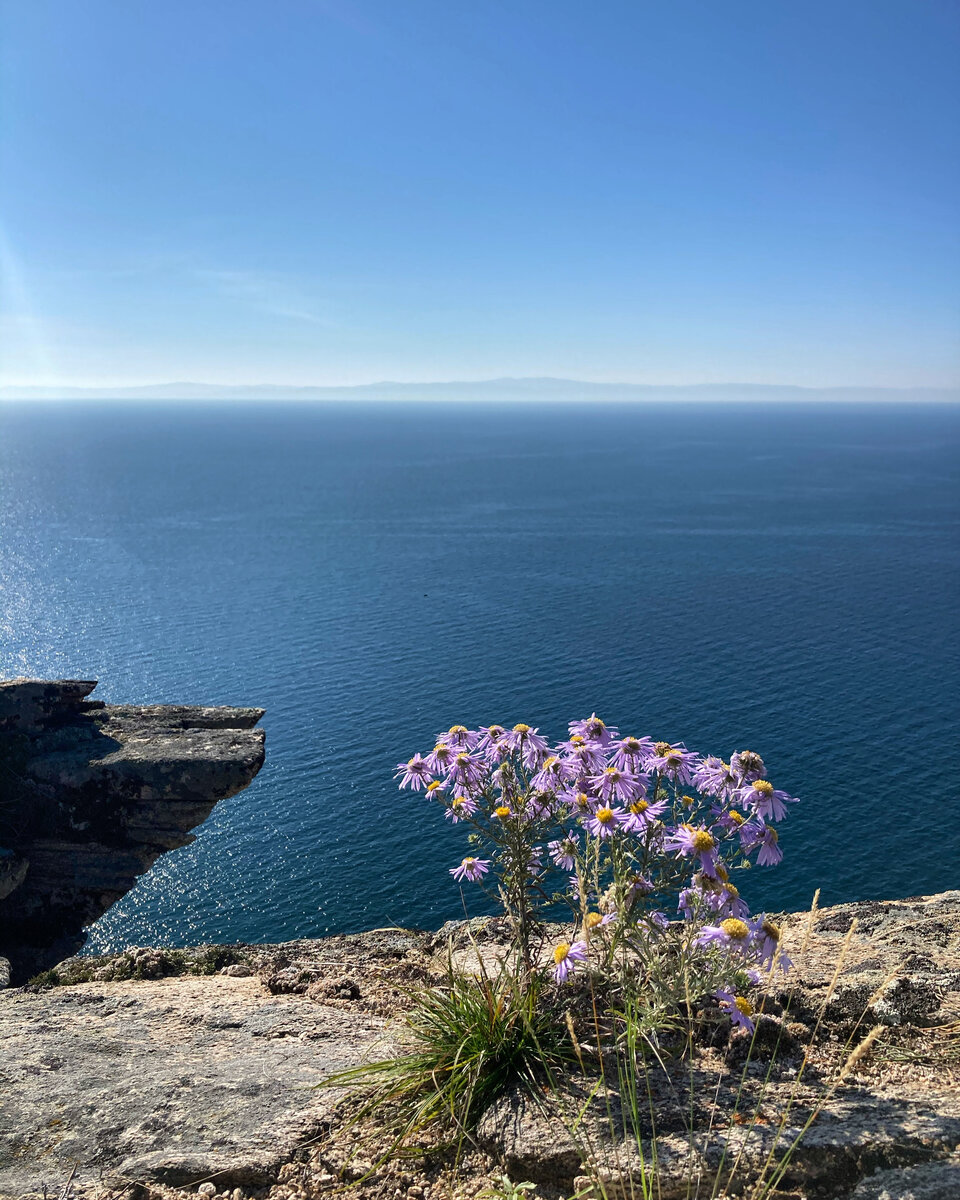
173, 1081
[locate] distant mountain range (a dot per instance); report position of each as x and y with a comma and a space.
503, 390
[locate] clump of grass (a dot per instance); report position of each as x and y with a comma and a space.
462, 1045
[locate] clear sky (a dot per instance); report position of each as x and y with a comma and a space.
339, 191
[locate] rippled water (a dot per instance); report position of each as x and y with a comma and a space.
778, 578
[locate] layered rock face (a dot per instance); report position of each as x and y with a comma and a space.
91, 795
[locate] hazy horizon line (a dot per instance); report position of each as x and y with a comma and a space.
528, 386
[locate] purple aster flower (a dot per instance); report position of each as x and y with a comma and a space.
460, 808
528, 743
688, 901
732, 934
641, 814
766, 802
755, 835
605, 821
593, 730
580, 804
459, 737
630, 752
554, 774
440, 759
720, 895
595, 920
746, 765
676, 762
541, 805
614, 784
688, 841
714, 777
564, 852
768, 936
535, 861
730, 902
473, 869
727, 818
574, 885
770, 853
492, 744
738, 1008
640, 885
659, 920
465, 770
584, 758
566, 957
415, 771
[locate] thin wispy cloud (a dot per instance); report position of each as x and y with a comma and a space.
271, 293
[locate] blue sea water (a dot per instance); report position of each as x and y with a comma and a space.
781, 578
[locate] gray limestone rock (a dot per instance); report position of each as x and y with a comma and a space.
928, 1181
169, 1081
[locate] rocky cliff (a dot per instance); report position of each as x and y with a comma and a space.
91, 795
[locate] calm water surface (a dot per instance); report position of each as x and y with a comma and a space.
782, 578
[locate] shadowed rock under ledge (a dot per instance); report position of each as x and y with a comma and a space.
91, 795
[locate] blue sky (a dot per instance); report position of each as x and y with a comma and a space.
340, 191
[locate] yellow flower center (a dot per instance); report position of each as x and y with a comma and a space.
583, 800
604, 815
611, 771
736, 930
442, 751
702, 841
577, 740
551, 762
639, 806
458, 729
463, 758
772, 835
561, 952
688, 801
411, 761
732, 890
468, 861
771, 930
592, 920
661, 748
737, 818
432, 787
502, 812
631, 745
750, 761
521, 728
761, 785
722, 873
744, 1005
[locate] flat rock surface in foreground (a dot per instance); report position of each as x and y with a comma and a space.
172, 1081
168, 1080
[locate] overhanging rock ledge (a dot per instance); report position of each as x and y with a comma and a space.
91, 795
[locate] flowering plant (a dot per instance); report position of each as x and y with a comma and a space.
618, 829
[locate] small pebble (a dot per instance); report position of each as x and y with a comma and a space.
207, 1189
